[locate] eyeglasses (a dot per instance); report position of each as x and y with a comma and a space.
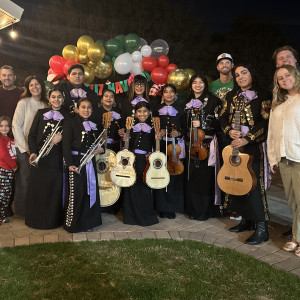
139, 84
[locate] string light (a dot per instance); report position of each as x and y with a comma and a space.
13, 34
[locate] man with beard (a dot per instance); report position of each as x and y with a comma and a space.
220, 88
224, 84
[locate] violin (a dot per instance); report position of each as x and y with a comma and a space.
174, 165
198, 151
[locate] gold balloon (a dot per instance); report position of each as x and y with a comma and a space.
70, 52
96, 52
89, 74
180, 79
92, 64
103, 69
191, 72
83, 58
84, 42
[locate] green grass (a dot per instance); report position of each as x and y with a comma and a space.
139, 269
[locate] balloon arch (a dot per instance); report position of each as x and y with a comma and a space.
125, 54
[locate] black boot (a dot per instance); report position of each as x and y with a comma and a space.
260, 235
244, 225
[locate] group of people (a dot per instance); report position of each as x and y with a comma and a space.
54, 133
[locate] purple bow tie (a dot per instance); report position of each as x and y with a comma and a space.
168, 110
249, 95
78, 93
195, 103
53, 114
136, 100
142, 127
115, 115
88, 125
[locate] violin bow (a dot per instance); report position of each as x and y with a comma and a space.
166, 149
190, 145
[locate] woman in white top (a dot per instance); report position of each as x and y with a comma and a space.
33, 98
284, 142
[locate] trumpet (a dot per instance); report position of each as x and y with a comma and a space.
46, 148
87, 157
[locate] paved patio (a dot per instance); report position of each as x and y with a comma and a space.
213, 231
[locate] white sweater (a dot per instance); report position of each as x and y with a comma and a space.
284, 131
22, 120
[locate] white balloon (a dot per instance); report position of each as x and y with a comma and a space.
123, 63
136, 56
136, 68
146, 50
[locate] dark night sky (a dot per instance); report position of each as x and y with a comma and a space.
219, 14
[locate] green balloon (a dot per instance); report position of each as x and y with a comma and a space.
113, 47
121, 38
132, 42
101, 42
106, 58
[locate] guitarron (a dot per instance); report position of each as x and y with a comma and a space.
156, 175
108, 191
236, 176
123, 173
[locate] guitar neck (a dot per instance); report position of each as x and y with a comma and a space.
236, 126
126, 146
157, 145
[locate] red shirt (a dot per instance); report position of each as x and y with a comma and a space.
8, 157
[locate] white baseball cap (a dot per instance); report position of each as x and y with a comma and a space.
224, 56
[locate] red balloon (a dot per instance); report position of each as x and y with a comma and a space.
57, 63
50, 71
149, 63
159, 75
163, 61
171, 67
67, 65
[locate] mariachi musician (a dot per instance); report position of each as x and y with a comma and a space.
44, 204
202, 195
254, 121
83, 203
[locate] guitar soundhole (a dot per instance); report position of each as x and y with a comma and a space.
102, 167
157, 164
124, 162
235, 160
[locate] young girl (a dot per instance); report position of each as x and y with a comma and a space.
44, 205
83, 207
8, 165
202, 112
171, 200
138, 201
108, 104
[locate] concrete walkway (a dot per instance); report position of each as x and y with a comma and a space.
213, 231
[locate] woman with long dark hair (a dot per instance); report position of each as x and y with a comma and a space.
252, 138
33, 99
202, 195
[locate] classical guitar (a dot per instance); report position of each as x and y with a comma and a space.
236, 176
174, 165
123, 173
156, 175
109, 192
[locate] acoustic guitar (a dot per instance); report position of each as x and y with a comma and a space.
156, 175
109, 192
236, 176
123, 173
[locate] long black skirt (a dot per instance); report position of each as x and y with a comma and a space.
44, 205
171, 200
79, 215
138, 200
199, 191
